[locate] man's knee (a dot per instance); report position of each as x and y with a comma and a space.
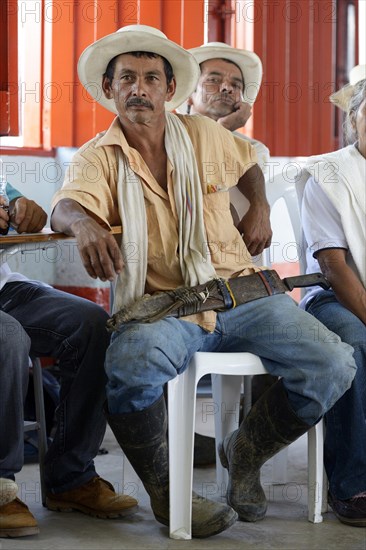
342, 367
139, 354
91, 319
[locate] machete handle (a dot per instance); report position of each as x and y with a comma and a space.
312, 279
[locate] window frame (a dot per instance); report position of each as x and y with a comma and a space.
9, 89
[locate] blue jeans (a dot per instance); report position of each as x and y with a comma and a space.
46, 322
345, 441
317, 368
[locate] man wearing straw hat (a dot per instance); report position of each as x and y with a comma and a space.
165, 178
226, 90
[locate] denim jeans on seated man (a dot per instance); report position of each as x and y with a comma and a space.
46, 322
39, 320
345, 440
317, 368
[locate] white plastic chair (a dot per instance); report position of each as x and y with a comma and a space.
227, 370
290, 187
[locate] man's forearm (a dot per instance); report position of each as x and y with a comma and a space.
66, 215
252, 185
346, 285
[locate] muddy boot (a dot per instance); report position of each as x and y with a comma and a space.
260, 384
204, 450
143, 438
270, 426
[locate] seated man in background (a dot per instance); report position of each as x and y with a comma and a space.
178, 232
227, 88
36, 319
334, 221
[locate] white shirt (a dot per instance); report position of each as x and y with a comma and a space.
322, 228
7, 276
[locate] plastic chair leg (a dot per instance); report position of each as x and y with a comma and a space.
41, 421
315, 473
225, 390
181, 418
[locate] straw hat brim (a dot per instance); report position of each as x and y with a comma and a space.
342, 97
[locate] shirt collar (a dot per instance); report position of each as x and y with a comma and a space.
114, 136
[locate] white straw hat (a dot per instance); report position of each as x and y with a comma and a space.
342, 97
94, 60
248, 62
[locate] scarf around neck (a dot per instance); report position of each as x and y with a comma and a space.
194, 258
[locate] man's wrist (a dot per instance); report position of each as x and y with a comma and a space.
78, 224
224, 124
259, 204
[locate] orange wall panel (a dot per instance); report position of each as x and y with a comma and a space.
192, 23
150, 13
58, 73
296, 41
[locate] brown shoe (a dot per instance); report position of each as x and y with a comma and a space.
96, 498
16, 520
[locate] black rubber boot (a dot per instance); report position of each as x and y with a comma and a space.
143, 438
270, 425
204, 450
205, 446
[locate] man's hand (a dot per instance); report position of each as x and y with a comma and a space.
238, 118
4, 217
99, 251
255, 226
256, 229
26, 216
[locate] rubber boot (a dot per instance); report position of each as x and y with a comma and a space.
270, 425
204, 453
143, 438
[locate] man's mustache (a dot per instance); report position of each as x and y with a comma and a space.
222, 96
139, 102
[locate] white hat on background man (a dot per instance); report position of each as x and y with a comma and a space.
94, 60
342, 97
248, 62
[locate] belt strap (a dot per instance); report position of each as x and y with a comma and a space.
216, 295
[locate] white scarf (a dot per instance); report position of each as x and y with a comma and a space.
195, 262
342, 176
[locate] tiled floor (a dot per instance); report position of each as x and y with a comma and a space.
284, 527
